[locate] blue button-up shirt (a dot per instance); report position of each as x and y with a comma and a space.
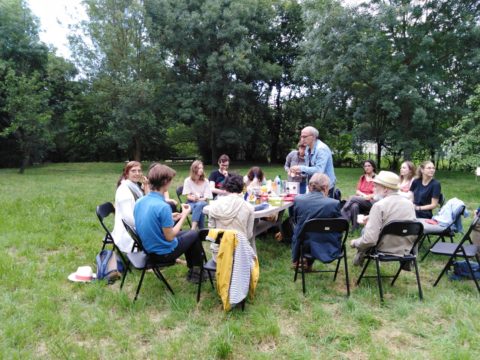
319, 160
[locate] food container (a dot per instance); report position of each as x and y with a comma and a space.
275, 200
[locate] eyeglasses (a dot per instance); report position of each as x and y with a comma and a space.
305, 136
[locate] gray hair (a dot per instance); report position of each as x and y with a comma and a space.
319, 182
312, 131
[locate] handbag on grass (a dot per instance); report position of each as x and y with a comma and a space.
109, 266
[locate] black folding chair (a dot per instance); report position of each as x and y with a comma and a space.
179, 191
460, 250
323, 226
141, 260
103, 211
448, 232
398, 228
209, 265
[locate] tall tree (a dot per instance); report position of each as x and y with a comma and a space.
115, 54
393, 61
213, 51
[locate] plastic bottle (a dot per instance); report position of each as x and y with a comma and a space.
278, 184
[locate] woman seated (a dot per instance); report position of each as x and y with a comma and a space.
407, 175
254, 178
362, 201
131, 186
425, 190
162, 239
231, 212
197, 189
129, 190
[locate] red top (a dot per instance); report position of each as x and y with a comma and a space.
365, 186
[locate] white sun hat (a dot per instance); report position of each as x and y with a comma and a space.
83, 274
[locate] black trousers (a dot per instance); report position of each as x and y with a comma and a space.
188, 244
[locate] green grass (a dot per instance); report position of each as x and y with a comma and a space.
48, 228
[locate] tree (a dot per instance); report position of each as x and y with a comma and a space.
125, 71
464, 145
393, 63
215, 50
27, 105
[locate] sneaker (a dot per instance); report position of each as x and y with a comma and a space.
193, 275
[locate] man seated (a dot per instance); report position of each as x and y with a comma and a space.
162, 239
217, 177
389, 207
316, 204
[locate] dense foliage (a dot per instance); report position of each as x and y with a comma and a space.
156, 79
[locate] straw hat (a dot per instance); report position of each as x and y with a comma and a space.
388, 179
83, 274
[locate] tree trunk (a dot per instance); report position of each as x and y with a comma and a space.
277, 124
379, 154
25, 162
137, 151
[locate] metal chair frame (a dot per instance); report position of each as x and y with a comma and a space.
323, 226
399, 228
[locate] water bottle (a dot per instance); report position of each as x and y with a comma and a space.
278, 184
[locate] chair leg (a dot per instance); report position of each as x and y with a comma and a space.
420, 292
396, 275
347, 279
125, 275
200, 284
379, 279
336, 269
363, 271
303, 273
159, 275
447, 266
428, 251
139, 284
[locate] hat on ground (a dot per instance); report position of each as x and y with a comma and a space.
388, 179
83, 274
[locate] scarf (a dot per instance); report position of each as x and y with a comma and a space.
134, 188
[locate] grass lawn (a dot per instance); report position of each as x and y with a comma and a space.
48, 228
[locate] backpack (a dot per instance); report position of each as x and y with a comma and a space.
461, 270
109, 266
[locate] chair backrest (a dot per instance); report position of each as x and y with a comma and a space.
402, 228
202, 235
325, 225
466, 237
441, 200
103, 211
135, 237
459, 214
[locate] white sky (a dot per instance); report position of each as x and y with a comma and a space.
56, 15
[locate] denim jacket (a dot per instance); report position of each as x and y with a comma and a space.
319, 161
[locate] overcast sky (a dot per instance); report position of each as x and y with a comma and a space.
56, 15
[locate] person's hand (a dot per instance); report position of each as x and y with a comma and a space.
352, 244
365, 219
295, 169
186, 209
176, 216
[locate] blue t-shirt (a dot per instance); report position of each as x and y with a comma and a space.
422, 195
151, 214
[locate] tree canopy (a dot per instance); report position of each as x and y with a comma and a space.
155, 79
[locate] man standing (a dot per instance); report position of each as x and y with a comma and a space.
318, 157
391, 206
217, 177
296, 157
316, 204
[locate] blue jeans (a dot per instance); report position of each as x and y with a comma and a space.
197, 212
